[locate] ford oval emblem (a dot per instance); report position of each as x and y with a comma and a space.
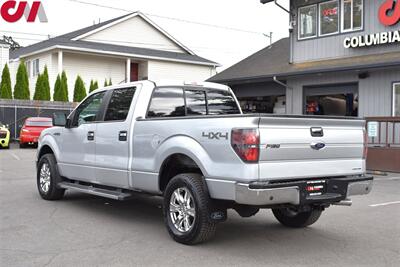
317, 146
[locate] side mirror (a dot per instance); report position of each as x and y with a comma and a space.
59, 119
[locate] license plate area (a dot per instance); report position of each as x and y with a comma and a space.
315, 188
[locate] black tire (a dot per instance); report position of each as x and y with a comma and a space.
53, 192
22, 145
203, 228
291, 218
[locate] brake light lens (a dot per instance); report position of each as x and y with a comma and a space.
365, 150
246, 143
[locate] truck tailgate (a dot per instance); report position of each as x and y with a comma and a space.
304, 147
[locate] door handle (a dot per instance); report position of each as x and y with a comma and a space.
90, 136
317, 132
123, 136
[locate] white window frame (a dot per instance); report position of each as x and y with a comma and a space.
299, 22
394, 98
352, 29
319, 18
37, 65
28, 67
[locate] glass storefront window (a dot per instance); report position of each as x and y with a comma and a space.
396, 99
307, 22
352, 15
329, 17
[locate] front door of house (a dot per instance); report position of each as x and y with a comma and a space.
134, 72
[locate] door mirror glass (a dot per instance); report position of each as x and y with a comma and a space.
59, 119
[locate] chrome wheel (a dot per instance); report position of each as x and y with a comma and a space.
182, 210
44, 178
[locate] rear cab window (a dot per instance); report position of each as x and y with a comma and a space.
179, 102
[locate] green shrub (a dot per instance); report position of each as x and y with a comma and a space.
46, 85
105, 83
109, 82
21, 88
93, 86
5, 84
64, 86
79, 90
57, 95
39, 90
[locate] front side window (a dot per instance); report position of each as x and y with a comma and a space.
352, 15
196, 102
167, 102
88, 111
396, 99
307, 22
119, 105
329, 17
221, 102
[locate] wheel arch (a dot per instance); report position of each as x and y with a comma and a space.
175, 164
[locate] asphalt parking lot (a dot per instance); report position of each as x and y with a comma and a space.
84, 230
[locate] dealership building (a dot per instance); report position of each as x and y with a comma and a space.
342, 57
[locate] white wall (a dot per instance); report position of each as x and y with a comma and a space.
4, 57
135, 32
159, 70
92, 67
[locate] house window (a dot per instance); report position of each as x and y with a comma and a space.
36, 67
352, 15
329, 17
308, 22
396, 99
28, 68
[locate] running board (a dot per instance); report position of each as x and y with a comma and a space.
89, 189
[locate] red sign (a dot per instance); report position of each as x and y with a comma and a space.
330, 12
12, 11
389, 12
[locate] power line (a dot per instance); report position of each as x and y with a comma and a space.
172, 18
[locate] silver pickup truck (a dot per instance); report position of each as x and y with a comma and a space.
191, 144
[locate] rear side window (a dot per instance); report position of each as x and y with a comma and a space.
120, 102
196, 102
167, 102
221, 102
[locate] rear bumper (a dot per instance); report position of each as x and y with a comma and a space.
28, 139
294, 192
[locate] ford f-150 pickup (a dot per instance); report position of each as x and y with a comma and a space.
191, 144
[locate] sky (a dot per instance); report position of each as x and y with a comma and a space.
237, 32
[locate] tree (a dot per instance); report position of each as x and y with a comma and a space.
79, 90
109, 82
46, 84
64, 86
39, 93
21, 88
5, 84
93, 86
105, 83
58, 92
96, 85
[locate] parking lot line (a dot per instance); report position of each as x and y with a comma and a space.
14, 156
385, 204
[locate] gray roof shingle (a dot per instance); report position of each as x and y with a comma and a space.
66, 40
274, 61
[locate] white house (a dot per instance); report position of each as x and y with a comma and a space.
127, 48
4, 54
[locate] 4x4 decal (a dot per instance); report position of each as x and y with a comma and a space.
216, 135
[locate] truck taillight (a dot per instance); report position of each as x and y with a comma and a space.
365, 150
246, 143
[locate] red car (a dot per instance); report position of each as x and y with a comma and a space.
32, 129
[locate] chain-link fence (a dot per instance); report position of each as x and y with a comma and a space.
14, 112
